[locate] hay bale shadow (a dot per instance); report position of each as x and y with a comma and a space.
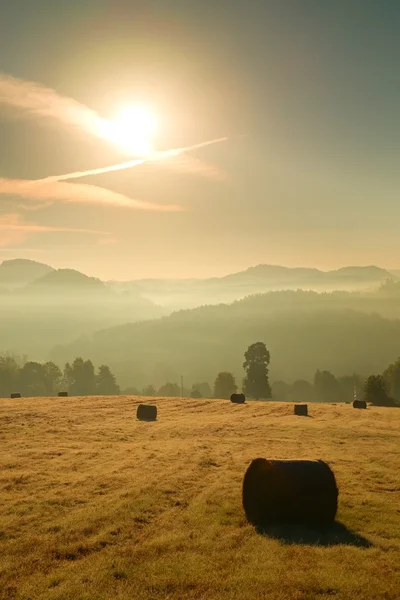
331, 535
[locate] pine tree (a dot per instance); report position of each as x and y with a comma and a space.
256, 384
106, 384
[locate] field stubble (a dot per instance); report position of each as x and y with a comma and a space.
95, 505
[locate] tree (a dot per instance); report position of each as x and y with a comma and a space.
169, 390
106, 384
80, 377
67, 380
32, 379
392, 378
149, 390
52, 378
256, 384
326, 387
224, 385
376, 391
9, 371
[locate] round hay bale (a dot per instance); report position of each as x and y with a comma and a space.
16, 395
63, 394
301, 410
146, 412
359, 404
301, 491
238, 398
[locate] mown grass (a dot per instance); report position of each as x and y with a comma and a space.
95, 505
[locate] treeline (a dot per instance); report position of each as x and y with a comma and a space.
325, 387
382, 389
46, 379
80, 378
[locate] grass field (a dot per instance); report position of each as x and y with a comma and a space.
95, 505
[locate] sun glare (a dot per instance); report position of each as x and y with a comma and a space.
133, 130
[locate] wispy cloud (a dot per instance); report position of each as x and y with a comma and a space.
50, 189
14, 230
29, 99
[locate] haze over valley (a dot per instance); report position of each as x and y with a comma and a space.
156, 331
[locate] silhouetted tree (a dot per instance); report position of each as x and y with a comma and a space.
80, 377
32, 379
326, 387
256, 384
52, 377
376, 391
149, 390
169, 390
106, 384
392, 378
225, 385
9, 371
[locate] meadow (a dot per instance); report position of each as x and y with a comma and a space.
95, 505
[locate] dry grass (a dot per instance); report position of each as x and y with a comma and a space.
95, 505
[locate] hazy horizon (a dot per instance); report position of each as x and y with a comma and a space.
218, 271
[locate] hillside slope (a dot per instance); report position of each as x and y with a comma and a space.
190, 293
19, 272
304, 331
97, 505
62, 305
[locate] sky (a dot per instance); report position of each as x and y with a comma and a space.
306, 93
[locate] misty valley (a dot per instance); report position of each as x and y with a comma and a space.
182, 333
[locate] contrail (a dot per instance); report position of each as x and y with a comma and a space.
157, 156
33, 100
52, 189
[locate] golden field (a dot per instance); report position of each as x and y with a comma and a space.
95, 505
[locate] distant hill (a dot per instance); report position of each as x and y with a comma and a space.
189, 293
68, 280
274, 275
61, 305
20, 272
340, 331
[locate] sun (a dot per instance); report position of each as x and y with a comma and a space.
133, 130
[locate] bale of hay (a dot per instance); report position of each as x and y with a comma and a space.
301, 410
146, 412
16, 395
359, 404
238, 398
301, 491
